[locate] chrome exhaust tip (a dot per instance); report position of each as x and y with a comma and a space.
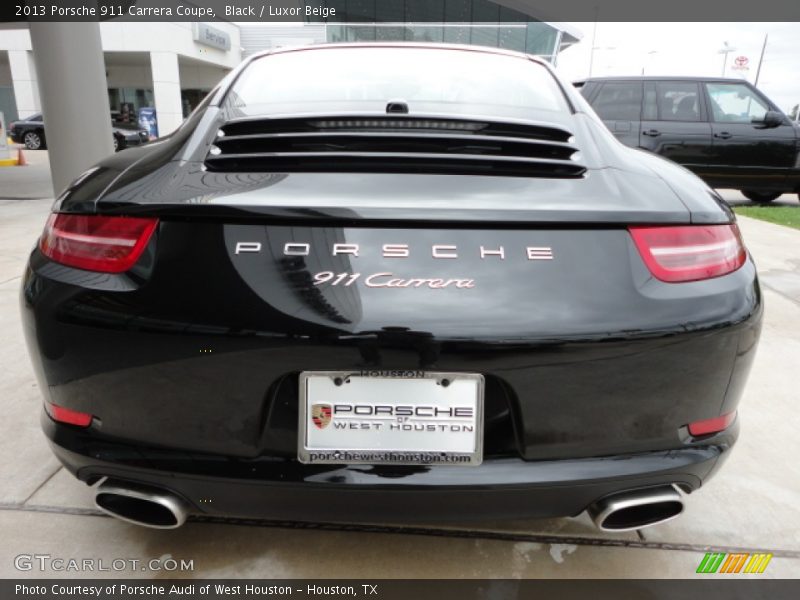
141, 505
636, 509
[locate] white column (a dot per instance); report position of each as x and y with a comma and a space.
72, 75
166, 91
23, 78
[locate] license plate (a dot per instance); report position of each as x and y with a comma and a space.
391, 417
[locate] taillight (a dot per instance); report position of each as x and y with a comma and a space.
96, 243
714, 425
690, 252
67, 415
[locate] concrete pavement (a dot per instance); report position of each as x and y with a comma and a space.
28, 182
753, 504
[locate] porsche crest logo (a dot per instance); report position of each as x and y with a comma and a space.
321, 415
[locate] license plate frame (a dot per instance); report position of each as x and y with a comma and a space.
443, 389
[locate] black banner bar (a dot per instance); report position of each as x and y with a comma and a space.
392, 589
400, 11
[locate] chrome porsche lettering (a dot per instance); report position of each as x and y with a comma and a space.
539, 253
501, 252
248, 247
396, 251
444, 251
438, 251
351, 249
294, 249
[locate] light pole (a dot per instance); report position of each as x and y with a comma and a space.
726, 49
761, 58
594, 39
648, 58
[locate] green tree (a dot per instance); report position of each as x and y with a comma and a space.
793, 112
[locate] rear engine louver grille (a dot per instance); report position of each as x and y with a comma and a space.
394, 145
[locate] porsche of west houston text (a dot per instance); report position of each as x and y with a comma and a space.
416, 272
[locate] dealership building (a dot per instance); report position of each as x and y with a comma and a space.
169, 66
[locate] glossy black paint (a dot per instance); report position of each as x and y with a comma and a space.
190, 360
746, 156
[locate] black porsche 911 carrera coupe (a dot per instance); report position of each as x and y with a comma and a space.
396, 282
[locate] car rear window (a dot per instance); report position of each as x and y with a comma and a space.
442, 81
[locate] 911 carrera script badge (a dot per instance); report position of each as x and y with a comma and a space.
388, 279
321, 415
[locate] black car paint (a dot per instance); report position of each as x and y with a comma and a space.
190, 360
747, 156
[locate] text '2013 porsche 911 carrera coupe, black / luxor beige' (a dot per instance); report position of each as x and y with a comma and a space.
397, 282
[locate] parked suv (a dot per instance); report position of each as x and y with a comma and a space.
725, 130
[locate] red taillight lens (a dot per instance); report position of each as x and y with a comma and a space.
68, 416
691, 252
96, 243
714, 425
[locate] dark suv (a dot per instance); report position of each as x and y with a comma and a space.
725, 130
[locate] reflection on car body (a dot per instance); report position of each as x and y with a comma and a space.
724, 130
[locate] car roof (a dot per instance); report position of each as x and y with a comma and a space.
423, 45
661, 78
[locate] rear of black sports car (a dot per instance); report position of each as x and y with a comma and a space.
391, 283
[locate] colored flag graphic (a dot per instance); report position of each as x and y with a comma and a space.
741, 562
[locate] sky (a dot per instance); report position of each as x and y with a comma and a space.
691, 49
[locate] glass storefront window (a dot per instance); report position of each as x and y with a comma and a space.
541, 40
125, 103
477, 22
190, 98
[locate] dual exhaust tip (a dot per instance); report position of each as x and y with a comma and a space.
160, 509
636, 509
141, 505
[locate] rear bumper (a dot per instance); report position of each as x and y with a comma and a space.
504, 488
193, 382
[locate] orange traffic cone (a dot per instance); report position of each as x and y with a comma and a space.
21, 162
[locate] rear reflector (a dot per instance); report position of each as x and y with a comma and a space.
65, 415
691, 252
96, 243
714, 425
